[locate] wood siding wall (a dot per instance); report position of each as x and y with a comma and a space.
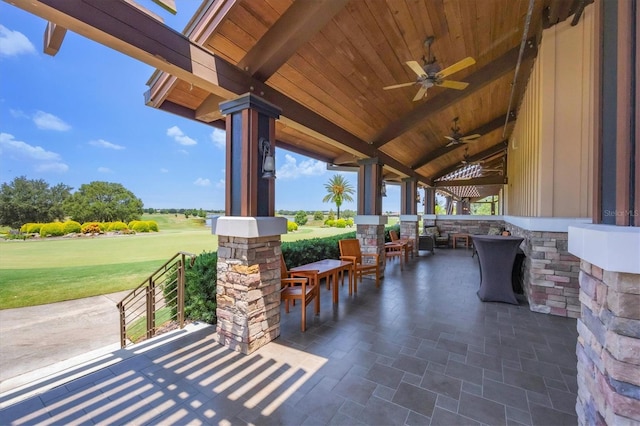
550, 160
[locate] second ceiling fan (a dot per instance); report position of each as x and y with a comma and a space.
432, 75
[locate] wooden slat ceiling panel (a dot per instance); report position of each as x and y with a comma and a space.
430, 134
341, 71
186, 95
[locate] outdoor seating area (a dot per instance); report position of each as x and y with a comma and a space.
419, 349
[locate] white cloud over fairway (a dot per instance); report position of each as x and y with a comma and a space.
292, 170
47, 121
202, 182
101, 143
14, 43
180, 137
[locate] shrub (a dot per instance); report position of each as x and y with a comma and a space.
200, 288
318, 215
118, 226
331, 215
90, 228
103, 226
30, 228
330, 222
350, 222
153, 225
301, 252
53, 229
300, 218
340, 223
139, 226
291, 226
71, 226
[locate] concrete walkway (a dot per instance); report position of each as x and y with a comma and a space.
38, 341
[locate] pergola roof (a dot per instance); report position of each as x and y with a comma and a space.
325, 63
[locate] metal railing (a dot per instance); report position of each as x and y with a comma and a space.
157, 301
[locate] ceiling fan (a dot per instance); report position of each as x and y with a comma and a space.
431, 74
456, 137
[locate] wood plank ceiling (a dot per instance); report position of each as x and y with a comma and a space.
326, 62
334, 57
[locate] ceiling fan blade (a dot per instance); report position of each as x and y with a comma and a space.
450, 84
422, 92
396, 86
450, 138
453, 142
458, 66
415, 66
470, 137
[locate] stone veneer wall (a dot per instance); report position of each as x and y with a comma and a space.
248, 292
608, 348
550, 272
473, 227
371, 239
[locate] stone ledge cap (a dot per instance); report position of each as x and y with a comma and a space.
409, 218
248, 227
612, 248
371, 220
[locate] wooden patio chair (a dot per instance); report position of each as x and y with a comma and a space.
408, 241
392, 250
350, 251
302, 288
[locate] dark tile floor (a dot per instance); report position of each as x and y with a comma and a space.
422, 349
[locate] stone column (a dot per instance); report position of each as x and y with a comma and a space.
409, 229
608, 347
370, 233
408, 211
248, 284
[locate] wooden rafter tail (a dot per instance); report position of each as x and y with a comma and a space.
168, 5
53, 38
145, 10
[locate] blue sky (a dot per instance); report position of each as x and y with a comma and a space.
80, 117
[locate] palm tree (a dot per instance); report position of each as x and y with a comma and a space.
339, 190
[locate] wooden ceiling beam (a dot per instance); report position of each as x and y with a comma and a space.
479, 181
492, 150
297, 25
482, 130
53, 38
493, 70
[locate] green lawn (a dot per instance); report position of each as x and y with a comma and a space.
36, 272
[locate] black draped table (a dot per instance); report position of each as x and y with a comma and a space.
496, 254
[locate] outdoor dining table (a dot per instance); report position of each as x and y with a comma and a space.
496, 255
329, 269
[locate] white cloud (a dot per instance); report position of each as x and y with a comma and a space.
52, 167
13, 43
292, 170
18, 113
202, 182
47, 121
183, 152
47, 161
163, 170
219, 138
220, 184
104, 144
104, 170
180, 137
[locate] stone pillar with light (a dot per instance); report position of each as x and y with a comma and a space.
248, 284
408, 211
369, 221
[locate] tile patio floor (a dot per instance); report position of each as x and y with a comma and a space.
423, 349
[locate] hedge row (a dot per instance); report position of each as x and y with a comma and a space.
56, 229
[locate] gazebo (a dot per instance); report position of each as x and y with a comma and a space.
540, 96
